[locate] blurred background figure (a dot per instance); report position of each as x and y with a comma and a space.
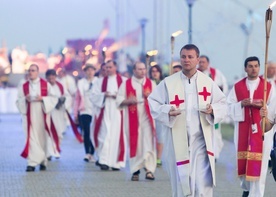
155, 74
220, 80
83, 109
177, 68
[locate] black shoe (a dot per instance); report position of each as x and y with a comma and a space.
42, 167
104, 167
49, 158
30, 169
97, 163
245, 193
86, 160
115, 169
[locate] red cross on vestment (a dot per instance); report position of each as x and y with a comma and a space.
204, 93
176, 101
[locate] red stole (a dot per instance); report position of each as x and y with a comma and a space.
212, 73
133, 114
98, 121
73, 125
43, 92
250, 145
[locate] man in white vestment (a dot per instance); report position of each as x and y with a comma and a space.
188, 104
220, 80
245, 100
69, 83
138, 122
108, 135
35, 102
59, 113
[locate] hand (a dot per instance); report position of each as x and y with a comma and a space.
258, 103
263, 112
132, 100
76, 120
38, 98
209, 109
146, 94
109, 95
246, 102
28, 98
174, 112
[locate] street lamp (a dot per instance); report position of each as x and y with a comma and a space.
175, 34
190, 4
143, 22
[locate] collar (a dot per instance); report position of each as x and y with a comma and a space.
141, 81
37, 80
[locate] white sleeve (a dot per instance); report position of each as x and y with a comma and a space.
235, 110
159, 105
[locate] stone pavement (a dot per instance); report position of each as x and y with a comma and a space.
71, 176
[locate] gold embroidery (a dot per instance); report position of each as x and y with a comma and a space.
250, 156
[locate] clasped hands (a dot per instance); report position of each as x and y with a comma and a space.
248, 102
109, 95
30, 98
176, 111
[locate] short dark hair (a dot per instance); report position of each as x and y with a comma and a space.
87, 66
50, 72
102, 65
113, 61
249, 59
177, 66
206, 57
191, 47
159, 69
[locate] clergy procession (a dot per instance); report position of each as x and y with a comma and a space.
116, 118
188, 114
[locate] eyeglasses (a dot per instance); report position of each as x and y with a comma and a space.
32, 70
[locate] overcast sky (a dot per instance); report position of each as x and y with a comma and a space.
43, 24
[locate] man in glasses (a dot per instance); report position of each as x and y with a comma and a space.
35, 102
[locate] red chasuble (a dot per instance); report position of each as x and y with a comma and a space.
43, 92
133, 114
73, 125
250, 145
99, 119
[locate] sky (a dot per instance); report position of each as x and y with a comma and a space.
40, 25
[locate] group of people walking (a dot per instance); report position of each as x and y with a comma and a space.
148, 121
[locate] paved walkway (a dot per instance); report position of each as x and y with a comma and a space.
71, 176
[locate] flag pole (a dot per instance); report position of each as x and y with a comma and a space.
268, 23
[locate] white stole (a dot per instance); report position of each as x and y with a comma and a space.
175, 87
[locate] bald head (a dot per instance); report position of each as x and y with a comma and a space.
271, 69
33, 71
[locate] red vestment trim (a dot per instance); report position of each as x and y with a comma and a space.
73, 125
133, 114
98, 121
213, 73
210, 153
180, 163
249, 143
43, 92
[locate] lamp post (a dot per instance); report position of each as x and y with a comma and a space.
148, 56
104, 53
143, 22
190, 4
175, 34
